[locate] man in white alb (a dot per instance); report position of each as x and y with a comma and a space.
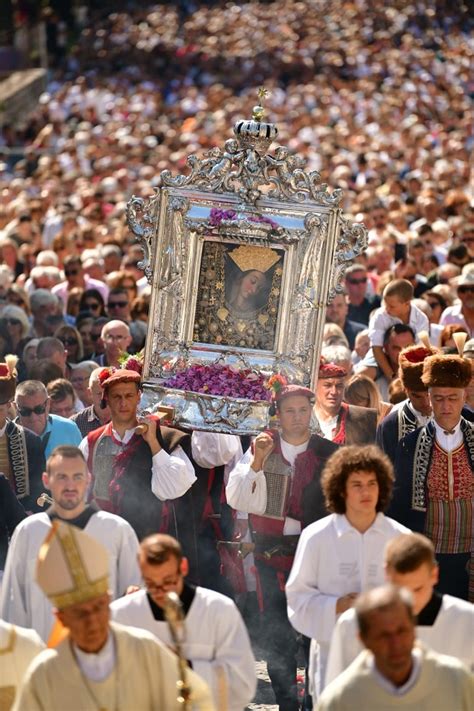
67, 478
342, 554
215, 638
444, 623
100, 664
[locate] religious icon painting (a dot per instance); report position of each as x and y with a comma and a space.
238, 295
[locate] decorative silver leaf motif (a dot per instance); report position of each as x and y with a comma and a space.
142, 220
353, 238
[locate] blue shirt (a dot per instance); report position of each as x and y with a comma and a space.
60, 431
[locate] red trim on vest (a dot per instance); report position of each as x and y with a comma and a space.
340, 436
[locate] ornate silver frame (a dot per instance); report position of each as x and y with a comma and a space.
272, 202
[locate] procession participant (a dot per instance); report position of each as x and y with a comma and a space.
67, 479
33, 405
94, 416
434, 482
18, 648
215, 639
133, 473
413, 412
339, 422
468, 352
21, 451
294, 457
202, 517
100, 664
444, 623
342, 554
392, 672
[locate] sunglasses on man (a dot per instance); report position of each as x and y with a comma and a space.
466, 290
28, 411
117, 304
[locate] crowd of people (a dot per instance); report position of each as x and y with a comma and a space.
376, 463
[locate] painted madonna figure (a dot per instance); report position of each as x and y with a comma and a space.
239, 290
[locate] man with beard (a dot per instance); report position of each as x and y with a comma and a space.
67, 479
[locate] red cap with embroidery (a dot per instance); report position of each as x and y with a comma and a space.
112, 376
331, 370
293, 389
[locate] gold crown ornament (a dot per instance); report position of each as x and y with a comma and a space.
256, 133
259, 259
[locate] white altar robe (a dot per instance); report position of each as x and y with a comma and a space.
216, 642
18, 648
452, 633
22, 600
332, 560
143, 679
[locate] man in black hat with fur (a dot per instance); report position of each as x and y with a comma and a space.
434, 485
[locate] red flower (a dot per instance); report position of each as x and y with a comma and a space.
105, 374
417, 355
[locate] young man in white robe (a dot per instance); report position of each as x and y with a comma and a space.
342, 554
394, 672
444, 623
99, 665
18, 648
67, 478
215, 641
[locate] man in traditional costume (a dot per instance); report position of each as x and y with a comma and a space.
99, 665
202, 517
135, 467
336, 420
393, 672
342, 554
18, 647
277, 483
434, 475
21, 451
215, 639
11, 513
443, 622
415, 411
67, 478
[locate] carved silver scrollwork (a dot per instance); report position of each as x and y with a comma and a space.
244, 168
142, 220
353, 239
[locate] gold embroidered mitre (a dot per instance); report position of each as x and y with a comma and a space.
249, 258
72, 567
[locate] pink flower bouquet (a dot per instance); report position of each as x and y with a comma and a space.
221, 380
